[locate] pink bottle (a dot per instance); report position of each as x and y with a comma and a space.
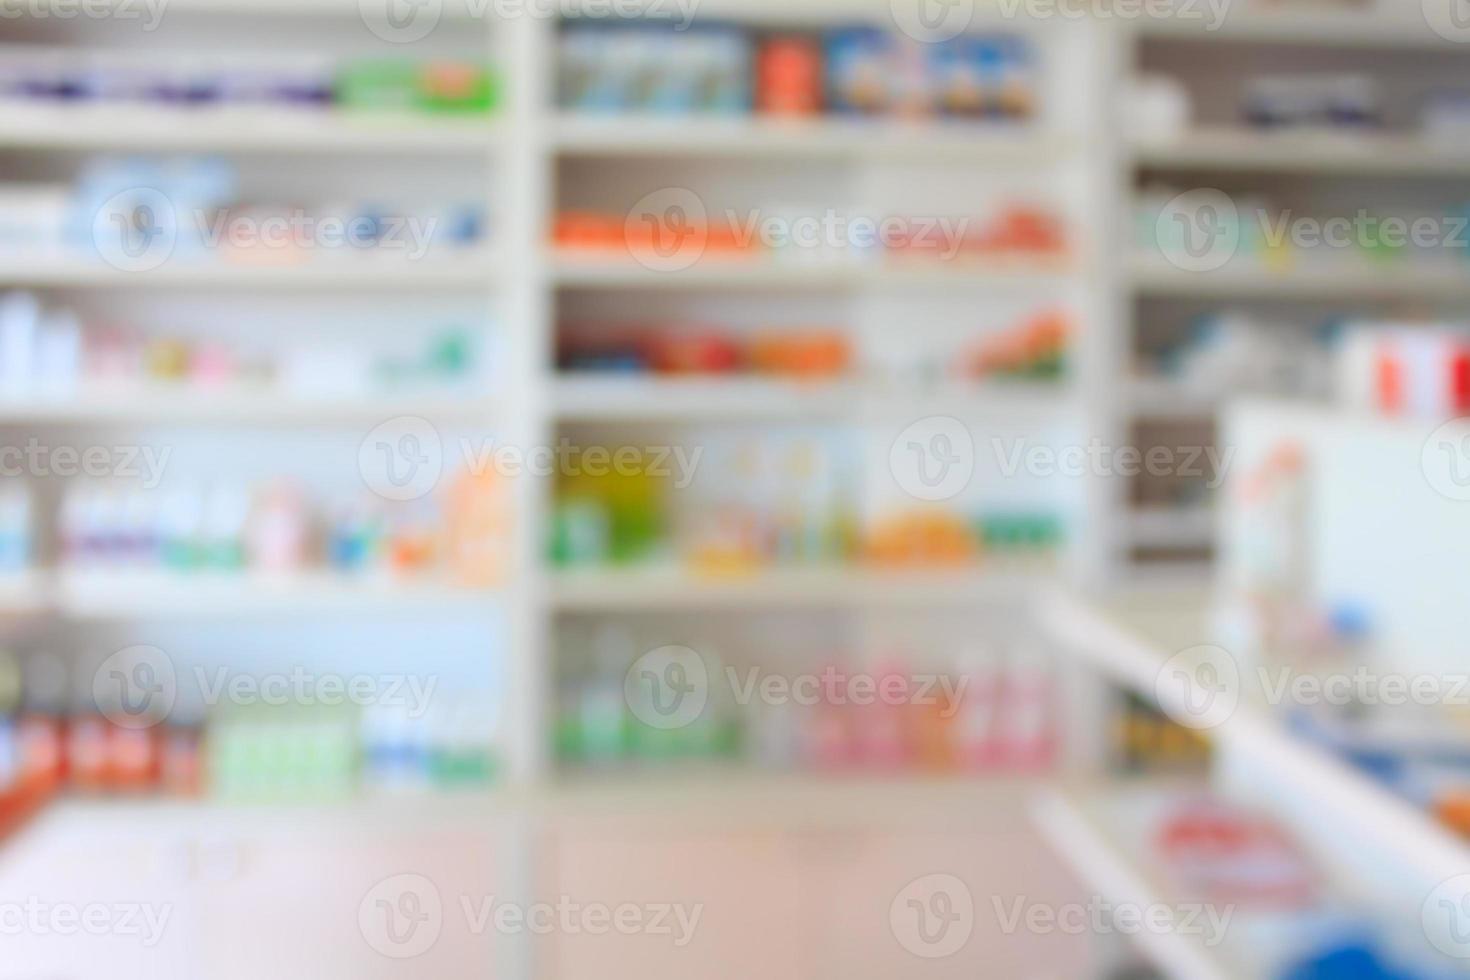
976, 722
1028, 715
826, 729
885, 728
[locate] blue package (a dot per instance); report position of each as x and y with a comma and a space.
860, 69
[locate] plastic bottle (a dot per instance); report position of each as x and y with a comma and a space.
602, 712
974, 725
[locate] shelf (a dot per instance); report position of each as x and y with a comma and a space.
1078, 827
190, 405
675, 588
694, 399
1383, 825
785, 800
1320, 280
127, 11
459, 271
151, 594
838, 13
616, 271
730, 795
1316, 152
697, 399
243, 130
754, 137
24, 594
1320, 28
1171, 527
1155, 398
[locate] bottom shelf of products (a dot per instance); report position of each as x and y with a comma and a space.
1205, 887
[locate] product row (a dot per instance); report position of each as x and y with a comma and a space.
978, 710
657, 68
758, 503
1235, 351
1032, 348
1271, 912
138, 212
816, 235
241, 743
1201, 230
69, 76
1420, 370
1161, 108
277, 528
51, 351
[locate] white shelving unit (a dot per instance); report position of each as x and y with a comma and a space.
1083, 827
1218, 151
1346, 804
525, 149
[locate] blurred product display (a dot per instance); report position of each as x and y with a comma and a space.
882, 482
56, 739
1340, 101
1234, 352
274, 529
774, 503
53, 353
1419, 370
1147, 741
40, 76
977, 710
1014, 231
679, 349
611, 67
128, 210
1031, 348
1297, 925
1280, 240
